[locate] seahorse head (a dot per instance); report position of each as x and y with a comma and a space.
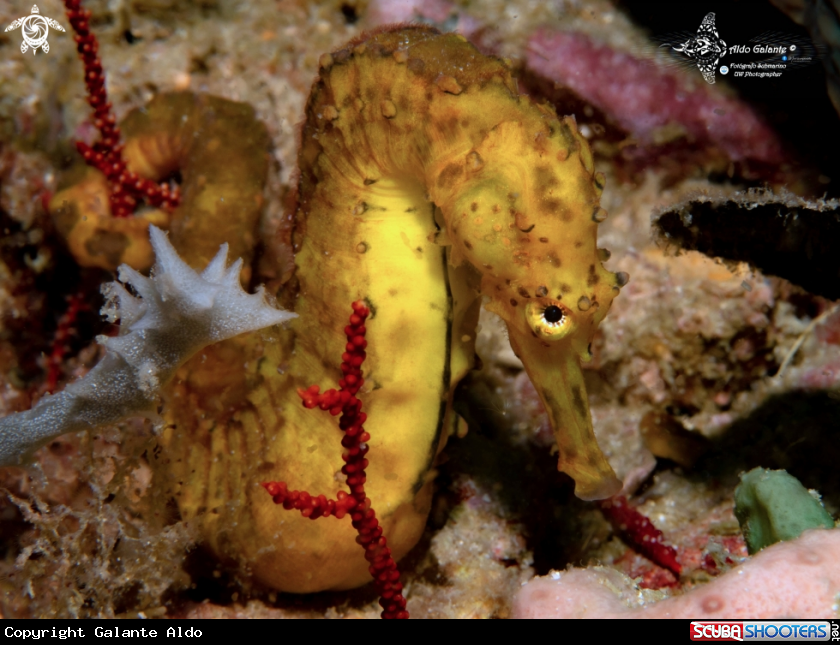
525, 214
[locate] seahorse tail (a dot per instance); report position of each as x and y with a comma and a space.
220, 150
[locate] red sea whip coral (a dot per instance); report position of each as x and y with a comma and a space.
106, 154
126, 187
344, 402
640, 533
66, 328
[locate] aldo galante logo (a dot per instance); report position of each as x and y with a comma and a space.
766, 56
35, 28
706, 48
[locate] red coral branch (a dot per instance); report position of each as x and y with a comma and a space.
640, 534
384, 570
127, 188
65, 329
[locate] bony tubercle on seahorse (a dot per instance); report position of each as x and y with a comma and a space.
427, 184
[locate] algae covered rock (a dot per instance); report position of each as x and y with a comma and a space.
773, 506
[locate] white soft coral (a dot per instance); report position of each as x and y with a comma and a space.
178, 312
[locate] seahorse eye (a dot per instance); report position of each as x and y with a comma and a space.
553, 314
549, 319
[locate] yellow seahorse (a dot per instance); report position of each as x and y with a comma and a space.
221, 152
427, 182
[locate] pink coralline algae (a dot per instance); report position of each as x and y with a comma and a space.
798, 578
642, 97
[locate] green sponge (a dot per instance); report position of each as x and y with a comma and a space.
772, 506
